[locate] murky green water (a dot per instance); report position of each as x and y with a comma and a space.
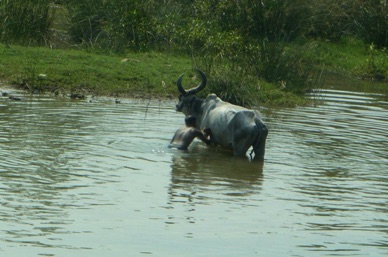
81, 178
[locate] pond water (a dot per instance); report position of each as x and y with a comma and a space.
95, 178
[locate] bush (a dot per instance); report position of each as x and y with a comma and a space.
235, 87
375, 68
250, 38
286, 68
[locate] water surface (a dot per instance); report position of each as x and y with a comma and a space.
80, 178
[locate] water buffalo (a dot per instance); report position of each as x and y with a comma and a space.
232, 126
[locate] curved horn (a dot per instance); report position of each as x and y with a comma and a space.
195, 90
201, 86
179, 84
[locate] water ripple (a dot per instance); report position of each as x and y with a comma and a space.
83, 178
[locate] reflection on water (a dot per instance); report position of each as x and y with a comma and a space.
80, 178
199, 171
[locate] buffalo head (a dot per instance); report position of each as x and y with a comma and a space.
187, 98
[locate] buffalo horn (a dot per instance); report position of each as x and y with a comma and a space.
195, 90
179, 84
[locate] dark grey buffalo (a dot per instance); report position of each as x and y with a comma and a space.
232, 126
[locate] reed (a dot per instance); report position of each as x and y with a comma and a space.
25, 22
367, 20
115, 25
256, 49
371, 22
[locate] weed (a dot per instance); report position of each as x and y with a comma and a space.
25, 22
375, 68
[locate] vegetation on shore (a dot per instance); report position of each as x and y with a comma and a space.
267, 52
139, 75
40, 69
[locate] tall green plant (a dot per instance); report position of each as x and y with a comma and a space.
372, 22
375, 68
25, 22
273, 62
85, 18
114, 25
250, 36
331, 19
366, 19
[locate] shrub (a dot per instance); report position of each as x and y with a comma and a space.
250, 38
235, 87
375, 68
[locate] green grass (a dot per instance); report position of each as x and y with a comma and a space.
350, 57
77, 71
40, 69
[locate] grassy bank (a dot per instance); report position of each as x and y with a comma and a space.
349, 57
251, 51
40, 69
144, 75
